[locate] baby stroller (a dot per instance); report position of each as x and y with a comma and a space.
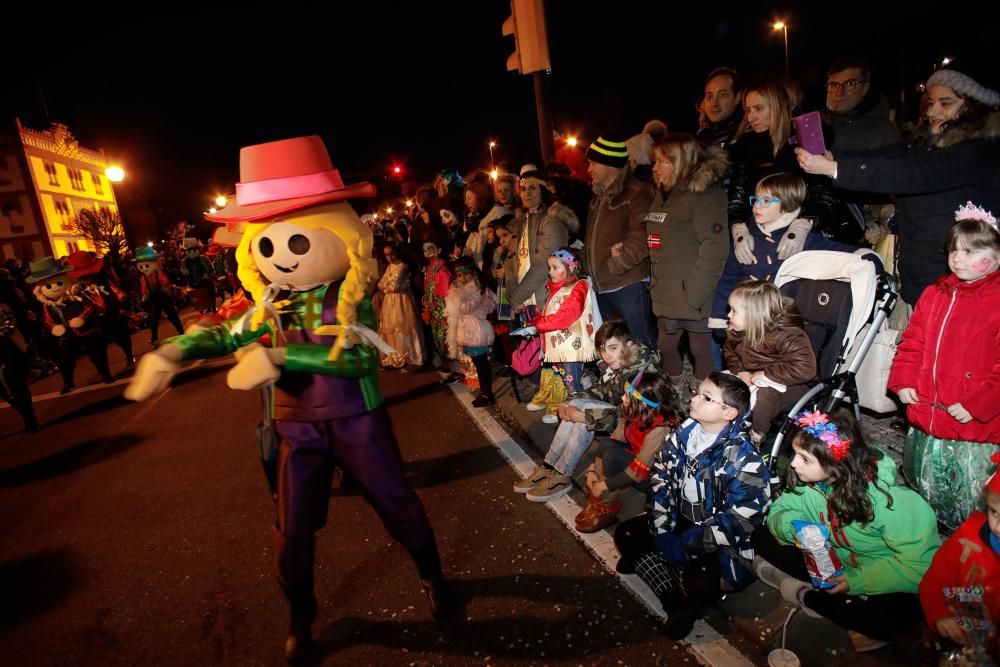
844, 302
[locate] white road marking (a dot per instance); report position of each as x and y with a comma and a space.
707, 645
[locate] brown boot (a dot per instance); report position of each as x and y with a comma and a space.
600, 516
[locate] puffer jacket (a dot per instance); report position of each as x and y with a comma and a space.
618, 216
785, 355
931, 178
688, 241
950, 354
890, 554
733, 488
467, 309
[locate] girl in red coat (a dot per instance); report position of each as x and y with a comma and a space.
947, 370
960, 592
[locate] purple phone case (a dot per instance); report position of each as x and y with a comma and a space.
809, 130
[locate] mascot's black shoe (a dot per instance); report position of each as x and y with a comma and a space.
299, 640
439, 597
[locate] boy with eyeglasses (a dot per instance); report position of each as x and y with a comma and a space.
777, 204
709, 491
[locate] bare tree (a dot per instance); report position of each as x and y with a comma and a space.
102, 227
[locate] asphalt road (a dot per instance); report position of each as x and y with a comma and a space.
139, 534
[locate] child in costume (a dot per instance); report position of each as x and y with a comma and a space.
768, 349
397, 324
156, 292
960, 592
883, 535
650, 413
437, 280
305, 256
591, 412
709, 491
470, 334
71, 317
566, 324
946, 371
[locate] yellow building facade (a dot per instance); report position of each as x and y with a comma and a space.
46, 177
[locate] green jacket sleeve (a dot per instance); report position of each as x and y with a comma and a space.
789, 505
217, 341
909, 530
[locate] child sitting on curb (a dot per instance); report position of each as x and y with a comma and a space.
589, 412
709, 490
883, 534
650, 412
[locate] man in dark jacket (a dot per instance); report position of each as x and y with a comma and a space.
616, 256
858, 114
721, 108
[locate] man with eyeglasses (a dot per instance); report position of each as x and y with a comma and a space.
859, 115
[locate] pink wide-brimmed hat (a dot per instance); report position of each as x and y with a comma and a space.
283, 176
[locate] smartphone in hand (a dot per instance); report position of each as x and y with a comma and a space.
809, 133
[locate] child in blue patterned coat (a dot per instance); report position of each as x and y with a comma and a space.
709, 492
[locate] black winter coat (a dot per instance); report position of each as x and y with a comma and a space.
931, 180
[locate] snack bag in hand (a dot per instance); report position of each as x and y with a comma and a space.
821, 560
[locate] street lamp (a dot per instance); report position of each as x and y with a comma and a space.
781, 25
493, 165
115, 173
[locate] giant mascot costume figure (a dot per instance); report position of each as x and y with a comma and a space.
305, 257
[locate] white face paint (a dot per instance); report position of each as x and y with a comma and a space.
299, 258
448, 218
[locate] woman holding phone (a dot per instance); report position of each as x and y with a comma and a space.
953, 158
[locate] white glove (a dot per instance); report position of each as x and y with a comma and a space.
530, 330
794, 239
743, 244
254, 370
152, 375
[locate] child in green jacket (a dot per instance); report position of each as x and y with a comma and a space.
883, 534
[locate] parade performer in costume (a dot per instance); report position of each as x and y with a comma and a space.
156, 292
87, 270
200, 276
305, 257
71, 317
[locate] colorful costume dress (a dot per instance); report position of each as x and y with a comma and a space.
437, 280
398, 319
327, 412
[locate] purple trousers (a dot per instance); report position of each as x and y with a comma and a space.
365, 447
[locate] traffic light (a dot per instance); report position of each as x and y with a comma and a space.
527, 24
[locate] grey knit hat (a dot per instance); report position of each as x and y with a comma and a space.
964, 85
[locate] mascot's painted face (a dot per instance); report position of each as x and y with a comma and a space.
147, 268
192, 252
297, 257
56, 287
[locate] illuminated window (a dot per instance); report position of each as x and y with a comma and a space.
96, 178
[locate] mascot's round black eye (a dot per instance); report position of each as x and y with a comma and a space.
299, 244
266, 247
59, 283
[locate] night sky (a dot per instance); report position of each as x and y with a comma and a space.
173, 96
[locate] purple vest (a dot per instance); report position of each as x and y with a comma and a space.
311, 397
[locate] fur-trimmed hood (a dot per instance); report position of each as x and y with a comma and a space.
709, 171
956, 135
